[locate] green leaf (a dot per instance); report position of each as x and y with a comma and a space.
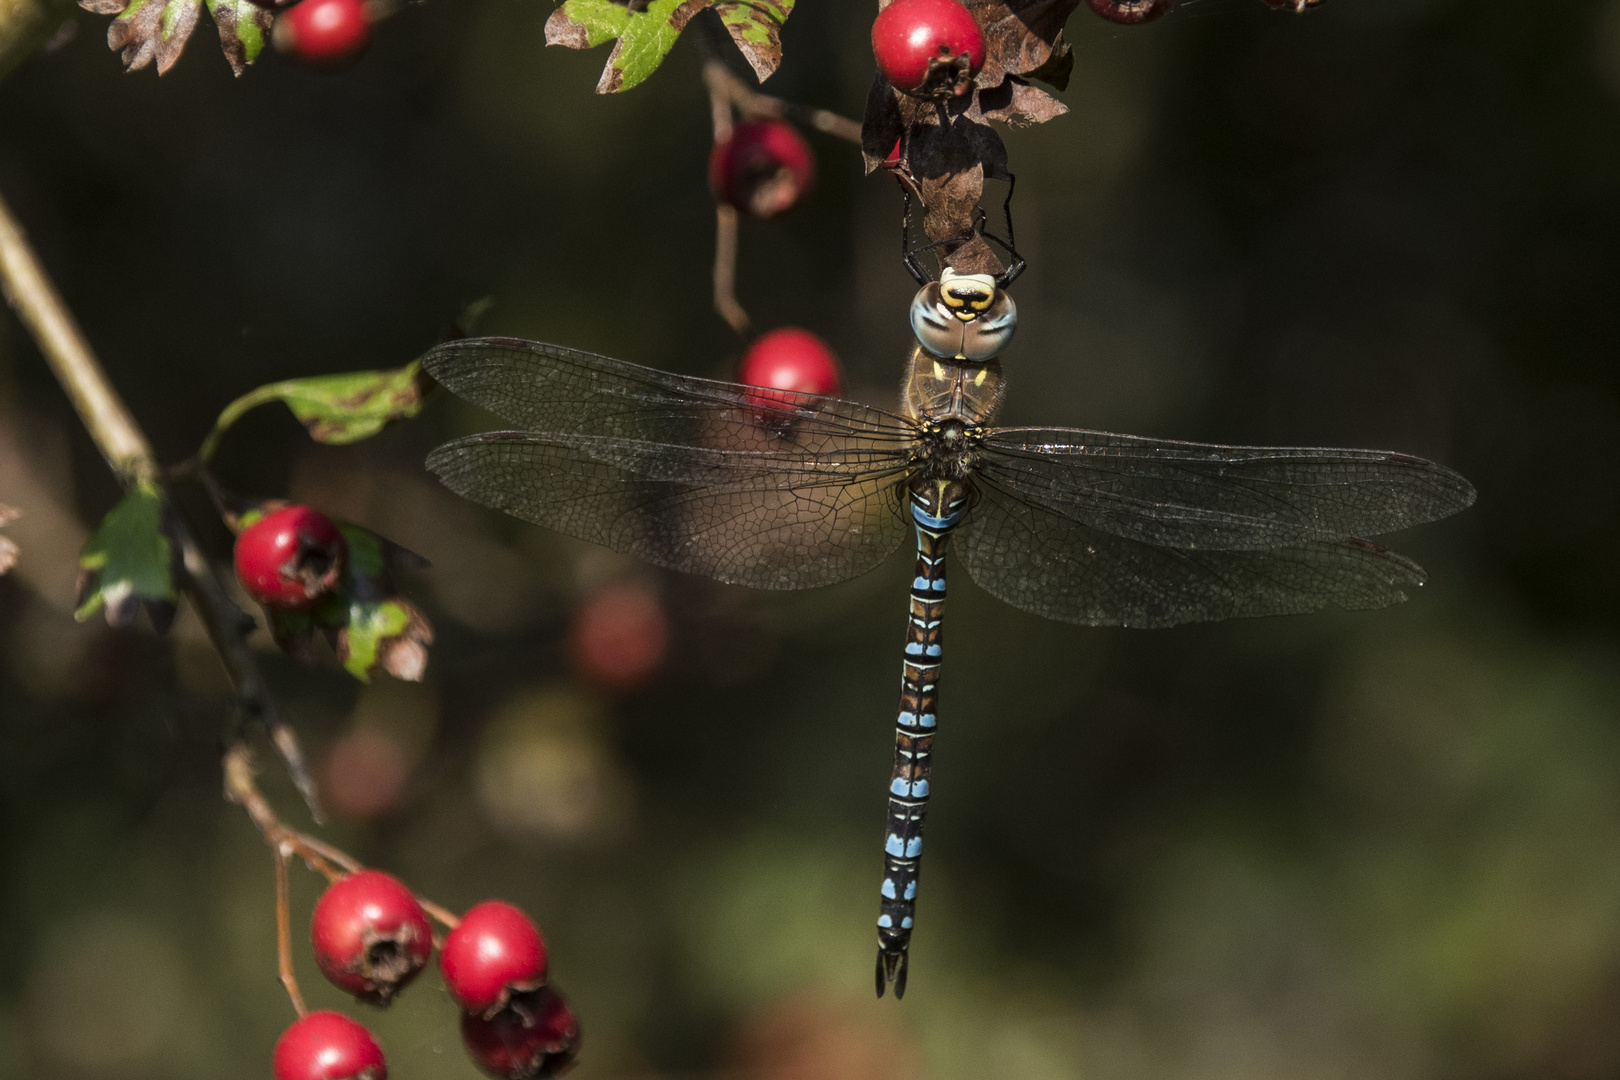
336, 409
243, 29
128, 563
756, 27
389, 634
379, 628
645, 36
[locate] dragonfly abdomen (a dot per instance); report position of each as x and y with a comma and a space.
936, 507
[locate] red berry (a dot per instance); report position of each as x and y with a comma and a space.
328, 1046
290, 558
789, 358
536, 1035
619, 637
1141, 11
763, 169
494, 953
324, 32
371, 937
930, 48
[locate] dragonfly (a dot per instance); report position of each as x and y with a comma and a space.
781, 490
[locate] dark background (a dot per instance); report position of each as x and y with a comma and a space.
1372, 844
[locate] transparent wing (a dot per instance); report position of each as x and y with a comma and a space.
1062, 568
685, 473
1207, 497
559, 391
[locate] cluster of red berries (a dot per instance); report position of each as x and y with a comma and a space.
371, 937
322, 33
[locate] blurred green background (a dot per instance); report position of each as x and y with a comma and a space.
1354, 845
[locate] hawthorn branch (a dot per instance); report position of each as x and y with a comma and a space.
242, 788
729, 86
30, 292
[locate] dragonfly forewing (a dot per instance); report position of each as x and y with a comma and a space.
558, 391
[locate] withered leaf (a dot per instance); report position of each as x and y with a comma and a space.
1131, 12
1019, 35
1018, 104
1058, 67
148, 30
756, 27
335, 409
244, 27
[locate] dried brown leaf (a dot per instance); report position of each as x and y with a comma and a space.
241, 38
1058, 67
153, 30
1018, 104
756, 27
564, 31
881, 126
1019, 35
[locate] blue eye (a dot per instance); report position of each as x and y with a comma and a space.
946, 331
937, 329
986, 336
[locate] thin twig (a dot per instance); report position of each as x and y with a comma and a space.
725, 215
284, 960
725, 269
750, 102
444, 915
119, 438
242, 788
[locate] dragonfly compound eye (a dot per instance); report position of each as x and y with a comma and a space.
963, 317
986, 336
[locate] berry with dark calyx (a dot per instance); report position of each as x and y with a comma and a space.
763, 168
619, 637
788, 358
290, 558
535, 1035
323, 33
928, 48
371, 936
1130, 12
494, 953
328, 1046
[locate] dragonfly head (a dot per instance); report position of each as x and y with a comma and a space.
963, 316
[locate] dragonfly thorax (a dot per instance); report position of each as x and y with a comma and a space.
943, 389
947, 450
